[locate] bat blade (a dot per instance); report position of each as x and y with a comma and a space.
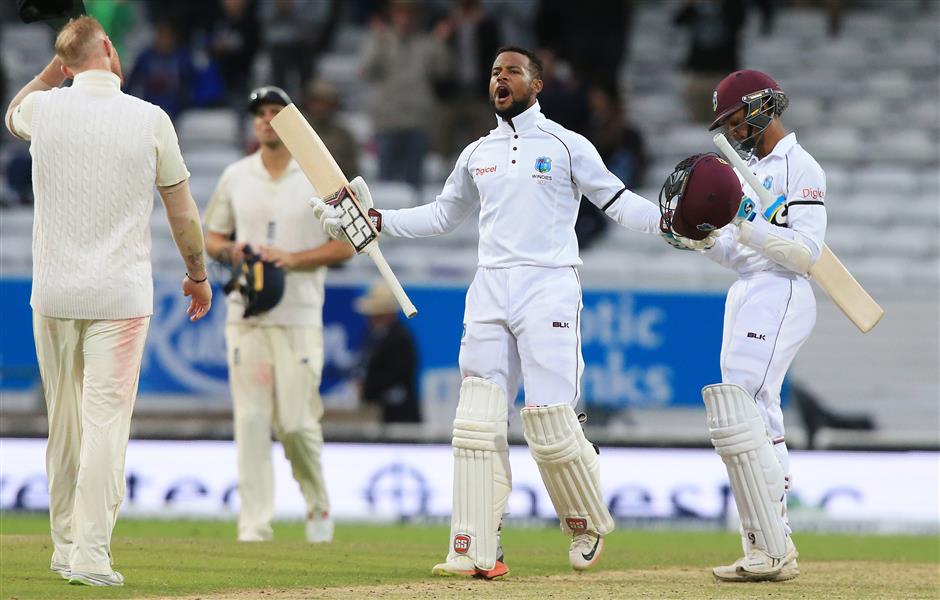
845, 291
331, 185
310, 152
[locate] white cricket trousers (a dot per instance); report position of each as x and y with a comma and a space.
768, 317
90, 370
274, 373
525, 321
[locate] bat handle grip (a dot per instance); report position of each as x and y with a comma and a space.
386, 271
741, 167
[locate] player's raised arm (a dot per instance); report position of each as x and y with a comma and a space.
456, 202
19, 114
606, 191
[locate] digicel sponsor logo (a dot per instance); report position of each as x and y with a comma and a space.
814, 193
484, 170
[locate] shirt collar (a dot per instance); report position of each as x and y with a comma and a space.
784, 145
97, 79
259, 166
527, 119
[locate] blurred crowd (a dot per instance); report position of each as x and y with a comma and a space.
424, 66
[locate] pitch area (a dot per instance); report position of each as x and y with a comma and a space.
200, 559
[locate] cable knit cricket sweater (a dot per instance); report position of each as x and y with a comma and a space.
94, 166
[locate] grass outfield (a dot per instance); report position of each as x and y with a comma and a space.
200, 559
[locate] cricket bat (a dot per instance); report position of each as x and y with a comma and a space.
328, 180
829, 272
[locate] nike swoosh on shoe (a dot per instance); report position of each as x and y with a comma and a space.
590, 555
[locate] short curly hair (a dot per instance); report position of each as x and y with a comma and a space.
535, 67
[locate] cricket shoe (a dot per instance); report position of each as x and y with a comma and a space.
63, 570
463, 566
757, 565
319, 528
585, 550
82, 578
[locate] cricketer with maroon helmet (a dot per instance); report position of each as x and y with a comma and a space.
770, 310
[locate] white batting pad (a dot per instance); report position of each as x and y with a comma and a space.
757, 479
569, 466
482, 479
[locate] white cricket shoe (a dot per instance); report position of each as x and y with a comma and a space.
463, 566
82, 578
62, 569
757, 565
585, 550
319, 528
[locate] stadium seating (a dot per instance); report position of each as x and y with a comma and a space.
198, 128
393, 194
869, 176
867, 109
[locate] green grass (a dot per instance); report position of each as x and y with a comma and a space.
178, 557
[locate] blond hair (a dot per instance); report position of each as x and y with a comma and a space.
76, 43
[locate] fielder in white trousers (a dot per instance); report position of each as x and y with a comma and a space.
90, 370
275, 357
97, 154
287, 397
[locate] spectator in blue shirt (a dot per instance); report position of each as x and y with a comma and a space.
163, 73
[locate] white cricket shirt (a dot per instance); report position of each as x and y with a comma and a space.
263, 211
798, 185
527, 179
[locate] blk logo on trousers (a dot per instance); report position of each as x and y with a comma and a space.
756, 336
560, 325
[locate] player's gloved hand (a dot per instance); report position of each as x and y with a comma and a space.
361, 191
703, 244
683, 243
329, 217
674, 240
747, 210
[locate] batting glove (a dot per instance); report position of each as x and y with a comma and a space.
674, 240
361, 191
329, 217
683, 243
703, 244
747, 210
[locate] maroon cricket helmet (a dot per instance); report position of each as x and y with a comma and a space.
729, 96
702, 194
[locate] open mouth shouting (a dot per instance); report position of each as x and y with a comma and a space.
502, 96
